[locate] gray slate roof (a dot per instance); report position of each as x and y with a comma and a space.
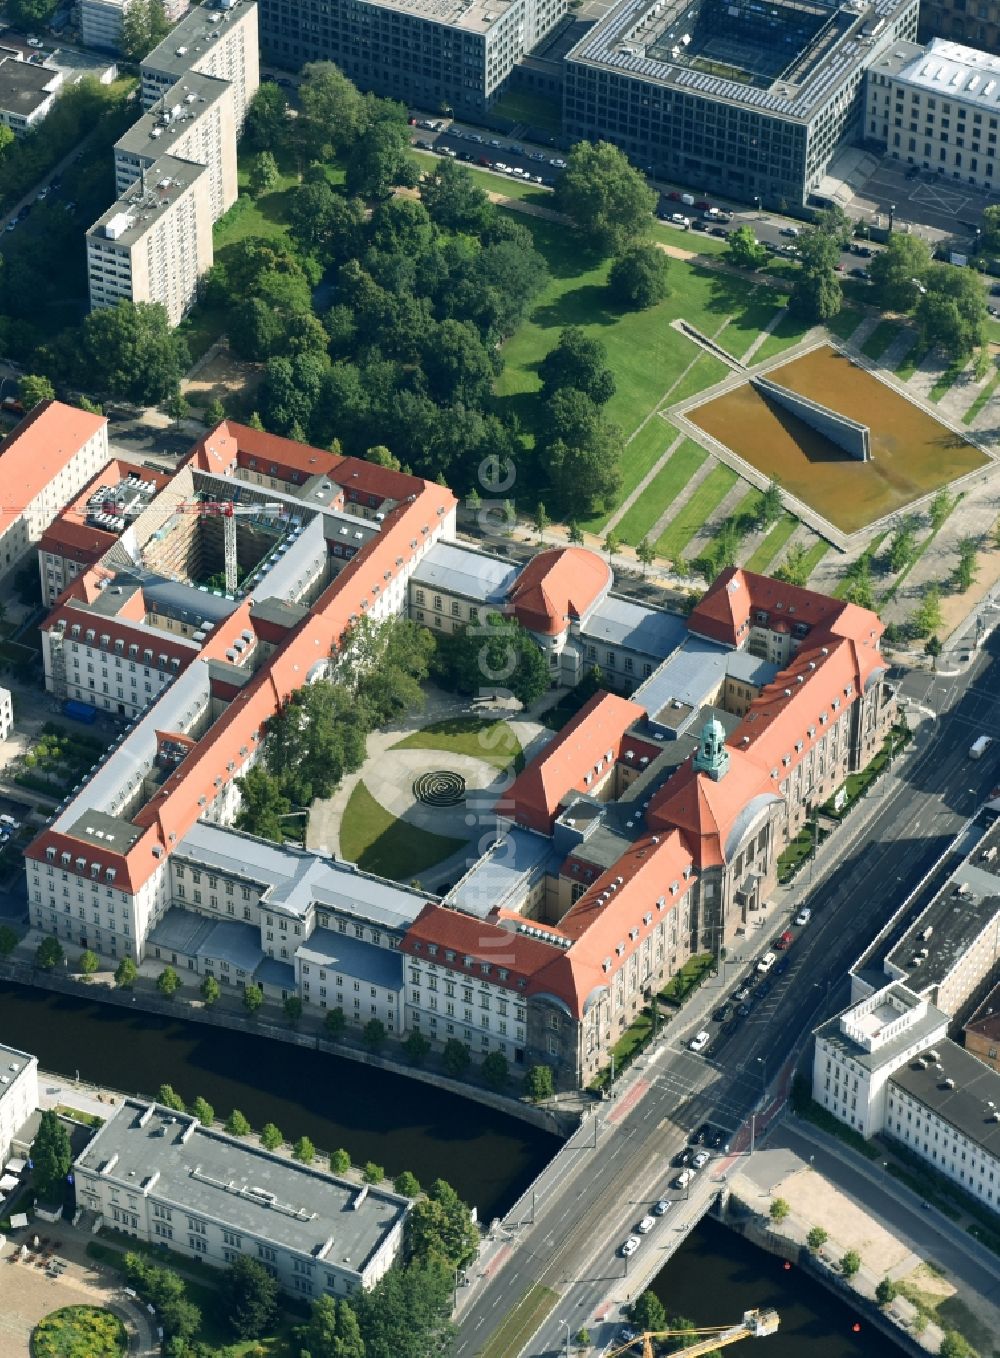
967, 1106
631, 626
328, 948
460, 570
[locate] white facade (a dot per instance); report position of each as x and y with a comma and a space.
443, 1004
120, 678
949, 1150
18, 1095
6, 713
937, 108
856, 1054
220, 41
164, 1178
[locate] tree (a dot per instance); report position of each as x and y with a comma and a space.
951, 313
607, 201
779, 1209
575, 533
417, 1048
253, 998
263, 805
647, 1312
744, 250
373, 1035
406, 1315
583, 1337
332, 1331
264, 174
251, 1297
816, 1238
583, 451
580, 362
237, 1125
638, 278
379, 160
612, 543
270, 1137
89, 962
340, 1162
372, 1173
210, 991
933, 648
454, 201
941, 507
646, 553
215, 413
266, 121
144, 25
130, 352
834, 222
49, 954
335, 1022
331, 110
440, 1225
177, 407
34, 389
850, 1263
494, 655
126, 974
903, 551
168, 983
928, 618
886, 1292
8, 940
456, 1057
898, 271
816, 296
540, 520
304, 1150
955, 1345
496, 1071
770, 508
406, 1184
293, 1009
167, 1096
539, 1084
967, 568
203, 1111
51, 1156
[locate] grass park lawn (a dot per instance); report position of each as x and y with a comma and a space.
788, 331
880, 339
760, 310
773, 543
703, 373
664, 488
814, 556
844, 324
79, 1332
379, 842
912, 361
947, 380
987, 391
492, 741
696, 513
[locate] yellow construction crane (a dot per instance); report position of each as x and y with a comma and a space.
755, 1325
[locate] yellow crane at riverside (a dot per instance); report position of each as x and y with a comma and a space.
754, 1325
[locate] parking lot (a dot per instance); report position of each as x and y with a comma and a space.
931, 204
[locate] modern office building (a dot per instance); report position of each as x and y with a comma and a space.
739, 98
154, 243
18, 1095
937, 107
194, 120
163, 1178
44, 462
27, 93
435, 54
218, 40
101, 21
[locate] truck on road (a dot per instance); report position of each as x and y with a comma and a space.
979, 747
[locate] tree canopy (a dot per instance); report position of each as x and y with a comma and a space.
744, 250
52, 1156
129, 352
951, 312
607, 200
898, 271
494, 655
577, 361
440, 1226
144, 26
638, 278
582, 450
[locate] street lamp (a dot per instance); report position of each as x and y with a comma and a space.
757, 201
892, 210
566, 1323
763, 1073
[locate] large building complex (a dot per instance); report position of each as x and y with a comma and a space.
101, 21
18, 1095
175, 169
745, 99
44, 462
163, 1178
438, 54
647, 830
937, 107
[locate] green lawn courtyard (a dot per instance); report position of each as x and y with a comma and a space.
380, 843
492, 741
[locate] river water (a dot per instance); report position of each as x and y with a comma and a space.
403, 1124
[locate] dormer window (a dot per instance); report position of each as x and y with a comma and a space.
109, 874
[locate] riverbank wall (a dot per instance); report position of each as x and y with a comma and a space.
737, 1217
558, 1122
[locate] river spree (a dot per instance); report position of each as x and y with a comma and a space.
375, 1115
717, 1275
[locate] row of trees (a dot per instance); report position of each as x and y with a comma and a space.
948, 304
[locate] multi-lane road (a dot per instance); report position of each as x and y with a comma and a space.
570, 1239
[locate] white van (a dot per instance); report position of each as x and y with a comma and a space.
979, 747
766, 963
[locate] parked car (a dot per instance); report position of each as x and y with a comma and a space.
423, 144
717, 1139
497, 144
700, 1160
35, 42
744, 990
766, 963
537, 155
719, 231
678, 219
804, 916
684, 1178
646, 1225
662, 1207
703, 206
722, 1014
784, 941
557, 163
700, 1041
516, 149
630, 1246
472, 136
682, 1158
789, 231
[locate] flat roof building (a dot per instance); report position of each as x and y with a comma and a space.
27, 92
153, 244
937, 107
433, 53
740, 98
218, 39
101, 21
18, 1095
162, 1177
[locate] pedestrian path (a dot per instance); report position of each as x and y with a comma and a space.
755, 344
650, 476
724, 510
676, 505
861, 332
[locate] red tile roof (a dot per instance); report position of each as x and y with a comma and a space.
593, 737
70, 536
557, 587
36, 451
705, 810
